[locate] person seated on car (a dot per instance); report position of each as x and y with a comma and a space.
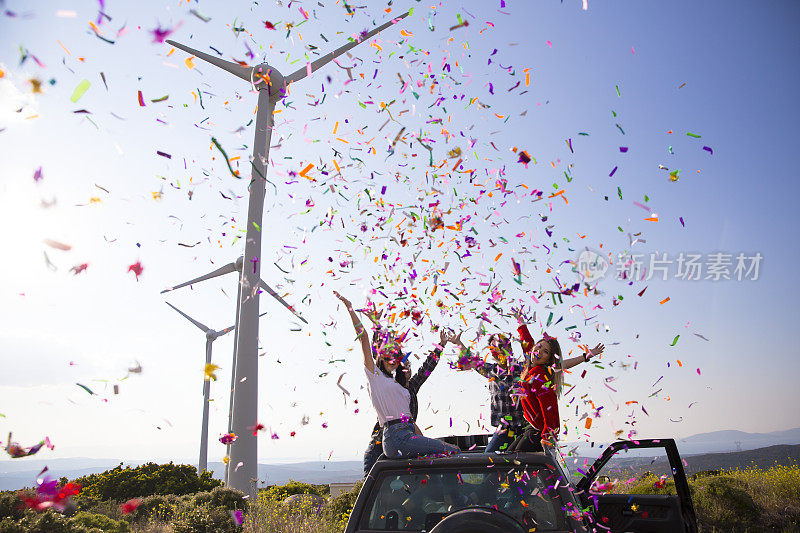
541, 385
403, 376
392, 400
506, 414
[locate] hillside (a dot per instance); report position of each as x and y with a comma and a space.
762, 458
703, 451
18, 474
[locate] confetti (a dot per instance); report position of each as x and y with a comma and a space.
228, 438
80, 90
130, 506
234, 173
210, 372
87, 389
57, 245
137, 269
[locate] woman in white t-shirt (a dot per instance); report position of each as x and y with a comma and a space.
390, 399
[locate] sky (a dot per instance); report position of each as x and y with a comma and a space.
569, 83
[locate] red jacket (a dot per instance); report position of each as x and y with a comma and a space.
540, 403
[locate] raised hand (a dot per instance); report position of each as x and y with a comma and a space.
519, 314
456, 339
597, 350
445, 336
344, 300
374, 315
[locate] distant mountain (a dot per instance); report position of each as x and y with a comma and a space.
29, 464
782, 454
321, 472
625, 465
17, 474
732, 440
713, 442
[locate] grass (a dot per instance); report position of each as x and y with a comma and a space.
740, 500
312, 513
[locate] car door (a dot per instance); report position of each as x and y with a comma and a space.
652, 513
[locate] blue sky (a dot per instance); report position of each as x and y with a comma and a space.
738, 61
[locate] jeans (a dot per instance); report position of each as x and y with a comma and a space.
373, 452
501, 440
529, 441
400, 440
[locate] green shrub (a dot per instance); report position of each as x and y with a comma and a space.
11, 506
101, 522
228, 499
93, 505
7, 525
204, 520
158, 507
704, 473
49, 522
278, 493
201, 498
339, 507
122, 484
723, 503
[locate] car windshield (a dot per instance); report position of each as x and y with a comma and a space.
405, 501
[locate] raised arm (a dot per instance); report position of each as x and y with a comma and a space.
485, 369
361, 333
569, 363
525, 338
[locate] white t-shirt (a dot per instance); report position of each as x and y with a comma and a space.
391, 400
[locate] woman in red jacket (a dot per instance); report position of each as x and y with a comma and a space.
541, 385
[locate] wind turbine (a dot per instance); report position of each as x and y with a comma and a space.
236, 266
211, 336
271, 86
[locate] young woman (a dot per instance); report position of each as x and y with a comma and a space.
541, 384
403, 377
506, 413
391, 400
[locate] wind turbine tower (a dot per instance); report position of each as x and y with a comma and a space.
271, 86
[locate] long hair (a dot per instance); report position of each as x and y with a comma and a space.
381, 338
555, 368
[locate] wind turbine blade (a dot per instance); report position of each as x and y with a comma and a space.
301, 73
226, 331
227, 269
233, 68
190, 319
275, 295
